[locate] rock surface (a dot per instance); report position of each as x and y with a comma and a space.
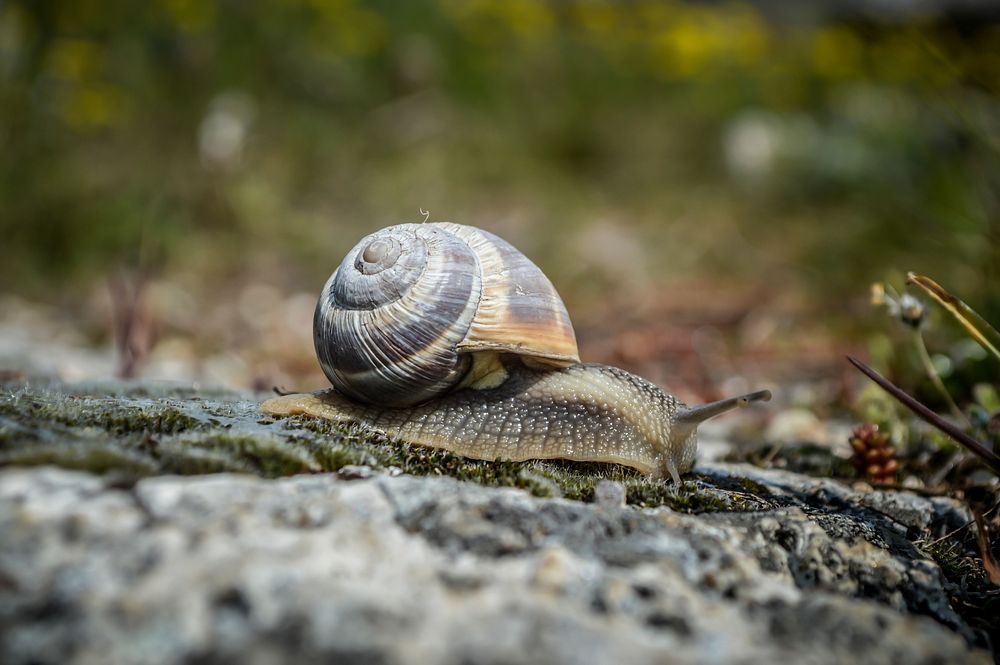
368, 567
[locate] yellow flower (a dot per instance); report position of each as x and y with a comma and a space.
74, 59
837, 53
686, 47
92, 106
189, 15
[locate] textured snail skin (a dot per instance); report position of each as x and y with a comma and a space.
585, 412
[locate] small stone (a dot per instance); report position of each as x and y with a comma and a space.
609, 494
355, 472
553, 571
797, 424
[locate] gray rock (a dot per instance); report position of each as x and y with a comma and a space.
231, 568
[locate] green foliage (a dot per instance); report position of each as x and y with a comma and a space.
975, 326
959, 565
976, 426
214, 139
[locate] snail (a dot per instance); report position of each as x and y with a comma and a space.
445, 335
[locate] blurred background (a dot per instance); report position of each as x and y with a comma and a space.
712, 186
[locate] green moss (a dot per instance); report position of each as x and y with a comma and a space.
956, 564
110, 414
165, 421
190, 461
262, 454
128, 433
680, 499
334, 457
77, 455
753, 487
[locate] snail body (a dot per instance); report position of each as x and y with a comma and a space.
480, 359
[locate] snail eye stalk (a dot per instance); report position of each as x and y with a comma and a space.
695, 415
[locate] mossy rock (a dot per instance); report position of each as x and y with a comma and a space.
135, 430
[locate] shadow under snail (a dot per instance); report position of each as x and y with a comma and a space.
444, 335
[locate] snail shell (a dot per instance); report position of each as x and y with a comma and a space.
444, 335
404, 317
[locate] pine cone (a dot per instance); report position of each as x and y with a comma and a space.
873, 455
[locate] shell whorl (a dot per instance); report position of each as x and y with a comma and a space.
398, 321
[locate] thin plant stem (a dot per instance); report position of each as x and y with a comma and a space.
964, 526
932, 373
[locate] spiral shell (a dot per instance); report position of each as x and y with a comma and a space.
404, 315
